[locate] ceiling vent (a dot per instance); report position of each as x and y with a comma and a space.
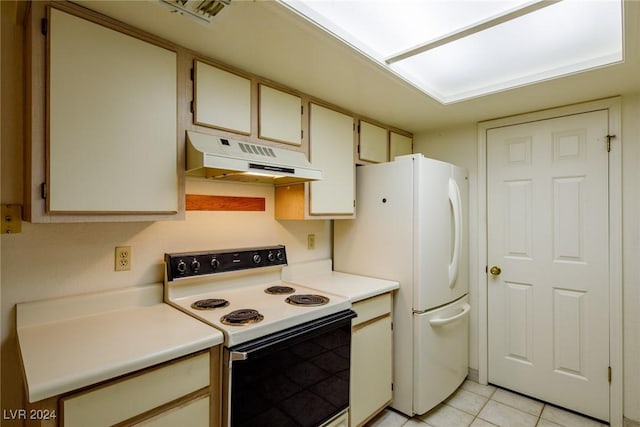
202, 11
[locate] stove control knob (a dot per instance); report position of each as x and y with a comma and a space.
257, 259
195, 265
280, 255
181, 267
271, 256
215, 263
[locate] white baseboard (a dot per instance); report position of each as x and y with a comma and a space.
474, 376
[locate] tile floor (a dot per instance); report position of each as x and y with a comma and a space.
477, 405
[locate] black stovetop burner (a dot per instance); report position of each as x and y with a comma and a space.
308, 300
279, 290
241, 317
209, 304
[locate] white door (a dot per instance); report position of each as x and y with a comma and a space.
547, 207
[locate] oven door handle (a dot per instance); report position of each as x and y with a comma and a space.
267, 344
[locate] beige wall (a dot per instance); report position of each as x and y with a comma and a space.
459, 146
631, 253
11, 131
50, 260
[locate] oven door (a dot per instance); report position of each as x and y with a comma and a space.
296, 377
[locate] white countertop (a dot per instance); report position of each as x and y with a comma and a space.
65, 344
319, 275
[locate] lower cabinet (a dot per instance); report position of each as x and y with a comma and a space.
371, 359
192, 413
183, 392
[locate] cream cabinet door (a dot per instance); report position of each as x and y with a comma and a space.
399, 145
373, 143
221, 99
112, 117
280, 116
371, 358
370, 370
331, 150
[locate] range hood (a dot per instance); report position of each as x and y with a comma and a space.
217, 157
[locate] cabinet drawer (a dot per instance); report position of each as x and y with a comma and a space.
123, 399
193, 414
371, 308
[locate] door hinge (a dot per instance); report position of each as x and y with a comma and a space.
301, 109
609, 142
609, 374
43, 190
193, 74
191, 107
44, 26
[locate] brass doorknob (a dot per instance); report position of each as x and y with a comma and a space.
495, 270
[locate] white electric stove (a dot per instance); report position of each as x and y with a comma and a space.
286, 358
240, 292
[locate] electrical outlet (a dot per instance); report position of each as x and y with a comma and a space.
123, 258
311, 241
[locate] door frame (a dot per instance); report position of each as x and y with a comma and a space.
613, 105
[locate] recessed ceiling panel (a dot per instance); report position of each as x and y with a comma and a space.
383, 27
562, 38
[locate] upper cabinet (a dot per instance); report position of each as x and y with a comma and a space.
399, 145
222, 99
280, 116
331, 139
112, 121
108, 110
331, 150
373, 142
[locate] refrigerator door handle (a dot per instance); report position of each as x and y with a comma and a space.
456, 205
441, 322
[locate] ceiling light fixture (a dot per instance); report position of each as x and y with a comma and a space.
456, 50
472, 29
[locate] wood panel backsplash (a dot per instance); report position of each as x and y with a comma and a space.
196, 202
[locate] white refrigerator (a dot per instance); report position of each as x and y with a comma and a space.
411, 227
